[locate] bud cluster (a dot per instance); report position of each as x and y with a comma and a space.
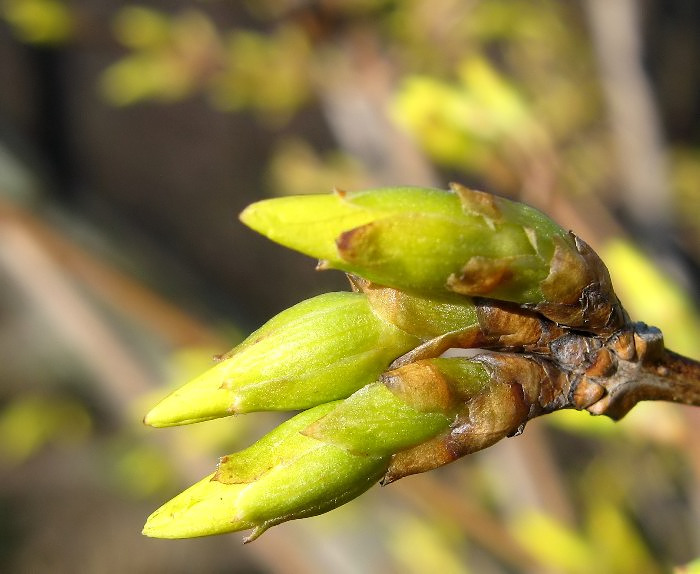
431, 270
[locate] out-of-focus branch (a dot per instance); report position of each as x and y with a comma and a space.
433, 496
637, 131
48, 289
355, 96
109, 284
636, 127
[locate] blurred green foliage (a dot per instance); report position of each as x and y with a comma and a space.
419, 546
595, 548
298, 169
671, 309
487, 89
39, 21
170, 56
464, 124
173, 57
31, 422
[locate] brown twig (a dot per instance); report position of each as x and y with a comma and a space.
634, 366
676, 378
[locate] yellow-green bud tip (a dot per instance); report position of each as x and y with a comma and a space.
283, 476
201, 400
205, 508
322, 349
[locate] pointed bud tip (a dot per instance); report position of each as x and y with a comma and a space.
248, 211
183, 408
204, 509
255, 217
281, 477
155, 417
306, 223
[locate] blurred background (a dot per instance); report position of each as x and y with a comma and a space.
131, 135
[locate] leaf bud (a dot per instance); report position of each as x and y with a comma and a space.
283, 476
430, 241
319, 350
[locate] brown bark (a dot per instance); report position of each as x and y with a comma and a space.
646, 371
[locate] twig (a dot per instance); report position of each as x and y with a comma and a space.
633, 366
676, 378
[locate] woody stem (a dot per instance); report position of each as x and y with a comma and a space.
672, 377
654, 373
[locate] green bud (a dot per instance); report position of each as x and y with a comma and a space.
410, 405
374, 421
320, 350
430, 242
419, 239
284, 476
418, 417
422, 316
429, 413
495, 393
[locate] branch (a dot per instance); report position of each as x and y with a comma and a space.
645, 371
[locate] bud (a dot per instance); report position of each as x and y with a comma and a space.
374, 421
327, 347
421, 255
322, 457
430, 242
431, 412
409, 406
320, 350
496, 394
418, 417
422, 316
454, 321
284, 476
